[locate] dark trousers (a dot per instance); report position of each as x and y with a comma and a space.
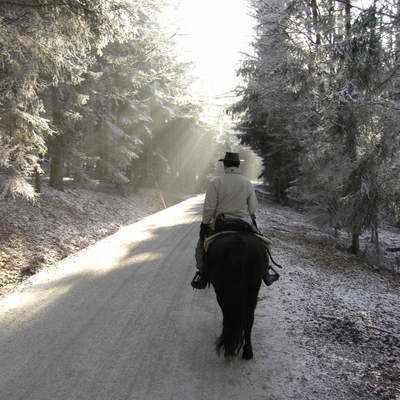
199, 255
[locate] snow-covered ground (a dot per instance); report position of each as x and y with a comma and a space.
36, 235
342, 313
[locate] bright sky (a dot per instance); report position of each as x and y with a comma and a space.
212, 34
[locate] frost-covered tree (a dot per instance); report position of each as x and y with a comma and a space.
134, 93
85, 83
347, 168
342, 61
269, 108
64, 104
42, 44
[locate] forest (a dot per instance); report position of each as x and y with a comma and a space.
321, 105
92, 91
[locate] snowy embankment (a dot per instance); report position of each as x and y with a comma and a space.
34, 235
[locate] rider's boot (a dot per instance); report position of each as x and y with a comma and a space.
199, 281
269, 278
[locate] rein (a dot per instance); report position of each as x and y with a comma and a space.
253, 218
273, 261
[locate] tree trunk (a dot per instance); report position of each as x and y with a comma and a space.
317, 34
38, 183
347, 11
57, 163
332, 22
375, 238
101, 170
355, 243
350, 126
57, 154
148, 158
397, 33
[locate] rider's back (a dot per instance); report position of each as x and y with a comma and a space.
233, 192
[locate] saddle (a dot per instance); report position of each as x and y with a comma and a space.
267, 242
223, 224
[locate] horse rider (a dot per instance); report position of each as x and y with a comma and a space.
233, 196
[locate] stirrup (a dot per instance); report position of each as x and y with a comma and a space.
199, 282
269, 279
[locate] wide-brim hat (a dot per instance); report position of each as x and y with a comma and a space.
231, 157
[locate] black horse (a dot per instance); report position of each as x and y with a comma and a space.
235, 264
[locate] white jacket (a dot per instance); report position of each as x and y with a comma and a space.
231, 194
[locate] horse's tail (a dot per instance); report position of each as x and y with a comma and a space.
233, 297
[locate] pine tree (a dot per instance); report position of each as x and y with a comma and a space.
338, 78
43, 44
269, 105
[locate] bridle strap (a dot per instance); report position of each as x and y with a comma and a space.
273, 261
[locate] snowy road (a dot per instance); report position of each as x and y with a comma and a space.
119, 320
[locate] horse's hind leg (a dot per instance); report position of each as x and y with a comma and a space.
248, 348
228, 339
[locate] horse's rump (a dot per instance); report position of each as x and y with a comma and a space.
234, 265
234, 256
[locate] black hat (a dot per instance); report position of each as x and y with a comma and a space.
231, 157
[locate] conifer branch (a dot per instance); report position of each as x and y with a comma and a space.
363, 9
47, 4
23, 4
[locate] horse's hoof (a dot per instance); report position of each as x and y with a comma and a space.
247, 354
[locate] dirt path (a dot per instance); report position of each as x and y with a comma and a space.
120, 321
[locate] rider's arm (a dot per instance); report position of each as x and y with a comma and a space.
210, 203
